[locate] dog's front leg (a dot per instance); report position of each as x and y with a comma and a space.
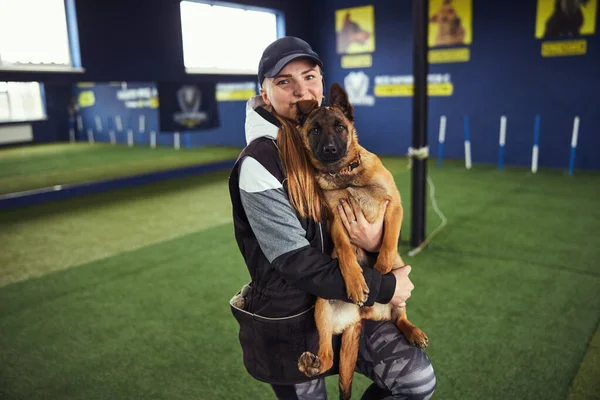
388, 254
308, 363
356, 287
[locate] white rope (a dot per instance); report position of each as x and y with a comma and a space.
423, 153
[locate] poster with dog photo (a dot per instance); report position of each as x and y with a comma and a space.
355, 30
450, 23
564, 19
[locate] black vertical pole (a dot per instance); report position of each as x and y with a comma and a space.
420, 11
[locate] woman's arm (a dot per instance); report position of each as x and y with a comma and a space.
282, 240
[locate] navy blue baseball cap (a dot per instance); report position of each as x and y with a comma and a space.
279, 53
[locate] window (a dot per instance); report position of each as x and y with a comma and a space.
223, 39
34, 34
21, 101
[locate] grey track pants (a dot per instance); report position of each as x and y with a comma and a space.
397, 369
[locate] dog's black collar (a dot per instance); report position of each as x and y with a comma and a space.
353, 165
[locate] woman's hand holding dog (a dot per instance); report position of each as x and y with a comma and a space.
362, 233
404, 286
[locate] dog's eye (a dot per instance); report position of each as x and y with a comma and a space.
314, 131
340, 128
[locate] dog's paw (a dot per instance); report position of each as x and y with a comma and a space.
418, 338
309, 364
384, 263
357, 290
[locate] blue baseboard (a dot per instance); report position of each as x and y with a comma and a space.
38, 196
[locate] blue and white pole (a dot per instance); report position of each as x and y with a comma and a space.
142, 127
176, 141
118, 124
90, 134
98, 122
442, 139
80, 126
536, 145
574, 144
502, 142
468, 164
111, 132
188, 140
129, 132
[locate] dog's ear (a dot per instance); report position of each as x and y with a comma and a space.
339, 98
303, 108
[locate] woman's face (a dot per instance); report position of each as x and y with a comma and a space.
300, 79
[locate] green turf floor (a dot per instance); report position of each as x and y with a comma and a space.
39, 166
507, 292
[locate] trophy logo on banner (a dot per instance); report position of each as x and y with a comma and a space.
190, 99
357, 85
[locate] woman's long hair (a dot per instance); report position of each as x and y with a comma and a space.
303, 191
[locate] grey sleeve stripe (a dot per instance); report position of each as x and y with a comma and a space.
273, 221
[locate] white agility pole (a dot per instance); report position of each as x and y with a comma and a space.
441, 140
468, 163
176, 143
80, 125
72, 135
98, 124
153, 139
573, 145
90, 134
501, 142
119, 123
142, 123
129, 137
536, 145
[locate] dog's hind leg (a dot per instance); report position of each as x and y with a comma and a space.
414, 335
348, 356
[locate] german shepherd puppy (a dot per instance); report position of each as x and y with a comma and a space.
345, 170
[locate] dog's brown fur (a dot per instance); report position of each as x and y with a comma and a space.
358, 177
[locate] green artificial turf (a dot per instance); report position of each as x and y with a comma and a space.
40, 166
507, 292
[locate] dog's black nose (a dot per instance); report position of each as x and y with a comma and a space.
329, 149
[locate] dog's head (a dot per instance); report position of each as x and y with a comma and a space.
328, 133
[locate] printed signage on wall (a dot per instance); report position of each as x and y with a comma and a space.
402, 85
357, 85
355, 36
450, 25
142, 97
560, 23
236, 91
187, 107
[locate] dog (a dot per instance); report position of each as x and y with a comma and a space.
450, 29
346, 170
566, 19
350, 33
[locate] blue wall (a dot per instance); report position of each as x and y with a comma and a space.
506, 75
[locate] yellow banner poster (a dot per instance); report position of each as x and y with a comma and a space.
402, 85
565, 19
355, 30
450, 23
562, 23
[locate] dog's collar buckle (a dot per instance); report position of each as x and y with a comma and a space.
354, 164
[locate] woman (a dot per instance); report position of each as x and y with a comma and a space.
280, 227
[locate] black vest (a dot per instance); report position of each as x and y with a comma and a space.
276, 320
